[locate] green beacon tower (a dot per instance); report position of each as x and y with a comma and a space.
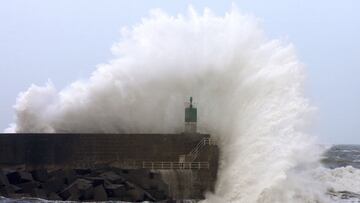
190, 118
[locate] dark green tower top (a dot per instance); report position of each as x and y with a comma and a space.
190, 113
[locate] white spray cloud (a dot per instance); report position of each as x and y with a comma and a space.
249, 92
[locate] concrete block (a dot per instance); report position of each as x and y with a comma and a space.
53, 196
73, 197
17, 177
158, 184
40, 175
83, 184
25, 176
158, 195
137, 192
57, 173
136, 195
70, 176
100, 194
13, 177
82, 172
87, 194
28, 187
96, 180
3, 178
115, 190
5, 190
53, 184
112, 177
76, 189
15, 188
40, 193
19, 195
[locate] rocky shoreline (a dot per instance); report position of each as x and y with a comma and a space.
99, 184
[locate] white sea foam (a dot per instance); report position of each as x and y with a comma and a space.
340, 179
248, 88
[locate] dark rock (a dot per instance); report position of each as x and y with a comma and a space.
136, 195
53, 196
5, 187
100, 193
39, 193
157, 184
96, 180
15, 188
145, 179
115, 190
40, 175
28, 187
158, 195
76, 189
112, 177
85, 189
100, 184
87, 194
19, 177
148, 196
82, 172
53, 184
56, 175
65, 194
83, 184
19, 195
73, 197
60, 173
3, 191
25, 176
127, 198
3, 178
6, 190
68, 175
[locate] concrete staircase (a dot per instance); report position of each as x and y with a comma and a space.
194, 153
186, 161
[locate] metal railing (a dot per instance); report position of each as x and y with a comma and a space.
175, 165
194, 153
188, 163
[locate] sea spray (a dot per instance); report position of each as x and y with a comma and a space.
248, 89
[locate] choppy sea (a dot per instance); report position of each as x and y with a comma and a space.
344, 162
342, 156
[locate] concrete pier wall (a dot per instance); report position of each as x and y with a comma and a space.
74, 150
65, 149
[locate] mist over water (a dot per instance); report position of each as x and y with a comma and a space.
248, 90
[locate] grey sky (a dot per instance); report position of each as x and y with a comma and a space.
64, 40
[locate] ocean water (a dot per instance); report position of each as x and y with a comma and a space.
342, 163
342, 156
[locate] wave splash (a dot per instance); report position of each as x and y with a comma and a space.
248, 89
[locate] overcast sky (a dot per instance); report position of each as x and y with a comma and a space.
64, 40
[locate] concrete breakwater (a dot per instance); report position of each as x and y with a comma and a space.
184, 165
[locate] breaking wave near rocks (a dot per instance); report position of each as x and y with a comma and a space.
248, 88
